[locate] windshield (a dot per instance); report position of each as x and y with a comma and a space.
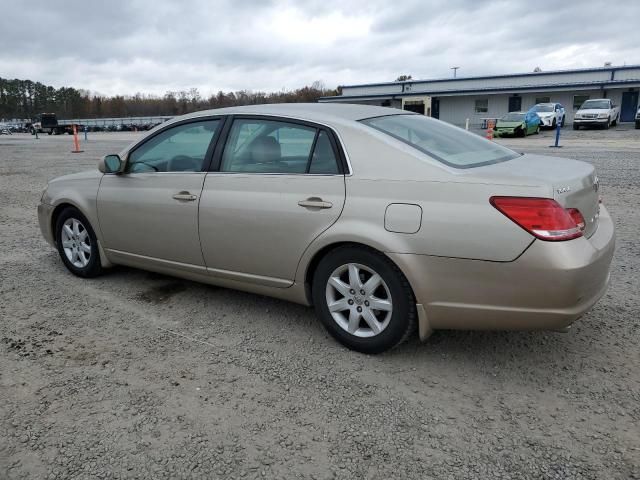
595, 104
513, 117
448, 144
543, 108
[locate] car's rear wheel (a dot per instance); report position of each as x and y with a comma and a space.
77, 243
363, 299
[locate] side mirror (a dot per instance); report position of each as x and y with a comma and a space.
110, 164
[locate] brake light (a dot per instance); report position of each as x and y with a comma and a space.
543, 218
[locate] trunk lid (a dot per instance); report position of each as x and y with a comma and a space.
572, 183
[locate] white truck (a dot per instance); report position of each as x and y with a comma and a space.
599, 112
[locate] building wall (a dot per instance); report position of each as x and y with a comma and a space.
456, 109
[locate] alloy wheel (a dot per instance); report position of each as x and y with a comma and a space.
359, 300
76, 242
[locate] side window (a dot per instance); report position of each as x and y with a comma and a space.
323, 159
179, 149
267, 146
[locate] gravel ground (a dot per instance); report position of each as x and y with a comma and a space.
138, 375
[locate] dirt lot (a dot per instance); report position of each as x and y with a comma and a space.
137, 375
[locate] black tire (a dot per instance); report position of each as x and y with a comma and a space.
49, 132
637, 125
562, 122
608, 124
537, 129
93, 268
403, 315
576, 127
554, 123
523, 132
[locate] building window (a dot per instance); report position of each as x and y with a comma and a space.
482, 105
578, 100
543, 100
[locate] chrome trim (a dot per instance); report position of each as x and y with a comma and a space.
172, 263
249, 278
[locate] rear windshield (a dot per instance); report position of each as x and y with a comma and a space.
450, 145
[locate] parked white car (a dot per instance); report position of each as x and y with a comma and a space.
600, 112
551, 114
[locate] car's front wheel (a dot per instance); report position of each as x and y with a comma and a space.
77, 243
363, 299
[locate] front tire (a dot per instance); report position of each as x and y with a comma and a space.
363, 300
77, 244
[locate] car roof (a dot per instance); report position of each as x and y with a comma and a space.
320, 112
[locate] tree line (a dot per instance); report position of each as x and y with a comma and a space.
25, 99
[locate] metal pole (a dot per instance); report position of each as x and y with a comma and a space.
557, 143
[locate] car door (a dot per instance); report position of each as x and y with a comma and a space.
277, 184
150, 212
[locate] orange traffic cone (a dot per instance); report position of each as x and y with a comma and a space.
76, 142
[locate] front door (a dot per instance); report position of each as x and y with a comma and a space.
629, 106
515, 104
150, 212
280, 184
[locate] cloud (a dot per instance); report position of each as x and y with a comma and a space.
124, 47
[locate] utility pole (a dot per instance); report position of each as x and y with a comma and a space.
455, 71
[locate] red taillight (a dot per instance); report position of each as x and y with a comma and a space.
577, 217
542, 217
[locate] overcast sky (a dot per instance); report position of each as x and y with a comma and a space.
124, 47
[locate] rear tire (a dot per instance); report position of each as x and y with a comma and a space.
348, 314
77, 243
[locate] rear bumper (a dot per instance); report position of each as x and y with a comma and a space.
548, 287
44, 219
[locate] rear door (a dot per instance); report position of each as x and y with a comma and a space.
277, 185
150, 212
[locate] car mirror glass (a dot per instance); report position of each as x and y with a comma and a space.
111, 164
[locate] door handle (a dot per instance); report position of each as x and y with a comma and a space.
315, 202
185, 197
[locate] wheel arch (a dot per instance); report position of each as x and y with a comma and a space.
59, 208
317, 257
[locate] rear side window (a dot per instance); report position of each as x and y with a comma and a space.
323, 159
443, 142
271, 146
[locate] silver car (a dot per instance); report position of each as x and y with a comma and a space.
385, 221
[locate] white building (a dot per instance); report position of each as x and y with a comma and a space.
477, 98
